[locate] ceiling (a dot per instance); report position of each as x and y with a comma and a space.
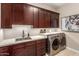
56, 5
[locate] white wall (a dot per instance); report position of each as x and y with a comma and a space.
72, 37
43, 5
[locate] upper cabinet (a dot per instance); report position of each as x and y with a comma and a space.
36, 19
6, 15
28, 14
54, 20
41, 18
25, 14
47, 19
18, 13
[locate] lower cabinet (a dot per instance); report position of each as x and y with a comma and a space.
41, 47
32, 48
17, 50
4, 51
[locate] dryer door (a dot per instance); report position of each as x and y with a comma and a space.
56, 44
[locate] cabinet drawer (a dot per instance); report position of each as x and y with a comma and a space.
3, 49
18, 52
41, 45
30, 43
30, 51
41, 41
18, 46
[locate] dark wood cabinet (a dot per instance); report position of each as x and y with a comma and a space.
18, 13
25, 14
41, 47
17, 50
30, 48
54, 20
6, 15
28, 14
41, 18
4, 51
47, 19
36, 19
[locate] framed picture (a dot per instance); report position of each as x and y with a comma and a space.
70, 23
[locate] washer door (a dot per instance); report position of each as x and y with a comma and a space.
55, 44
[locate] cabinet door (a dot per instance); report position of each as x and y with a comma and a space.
35, 21
47, 19
4, 51
41, 18
41, 47
18, 13
6, 13
28, 14
18, 50
54, 20
30, 48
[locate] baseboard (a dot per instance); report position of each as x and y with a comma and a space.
73, 49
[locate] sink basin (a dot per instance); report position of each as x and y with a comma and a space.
26, 38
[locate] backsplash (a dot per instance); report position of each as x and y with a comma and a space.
16, 31
1, 34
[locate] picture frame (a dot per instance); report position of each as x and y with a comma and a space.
70, 23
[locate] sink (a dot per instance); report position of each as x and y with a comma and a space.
26, 38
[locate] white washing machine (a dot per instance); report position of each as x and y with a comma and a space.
56, 43
53, 44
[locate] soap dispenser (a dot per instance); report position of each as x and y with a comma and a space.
28, 36
44, 30
23, 34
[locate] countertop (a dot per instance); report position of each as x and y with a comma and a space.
50, 33
12, 41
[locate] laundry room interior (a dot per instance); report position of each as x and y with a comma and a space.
39, 29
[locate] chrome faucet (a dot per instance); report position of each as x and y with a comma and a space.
23, 34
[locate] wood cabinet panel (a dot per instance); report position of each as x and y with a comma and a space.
4, 51
19, 52
16, 46
47, 19
41, 18
35, 21
6, 16
28, 14
54, 20
30, 48
41, 47
18, 13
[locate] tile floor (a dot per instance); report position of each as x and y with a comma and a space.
67, 52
